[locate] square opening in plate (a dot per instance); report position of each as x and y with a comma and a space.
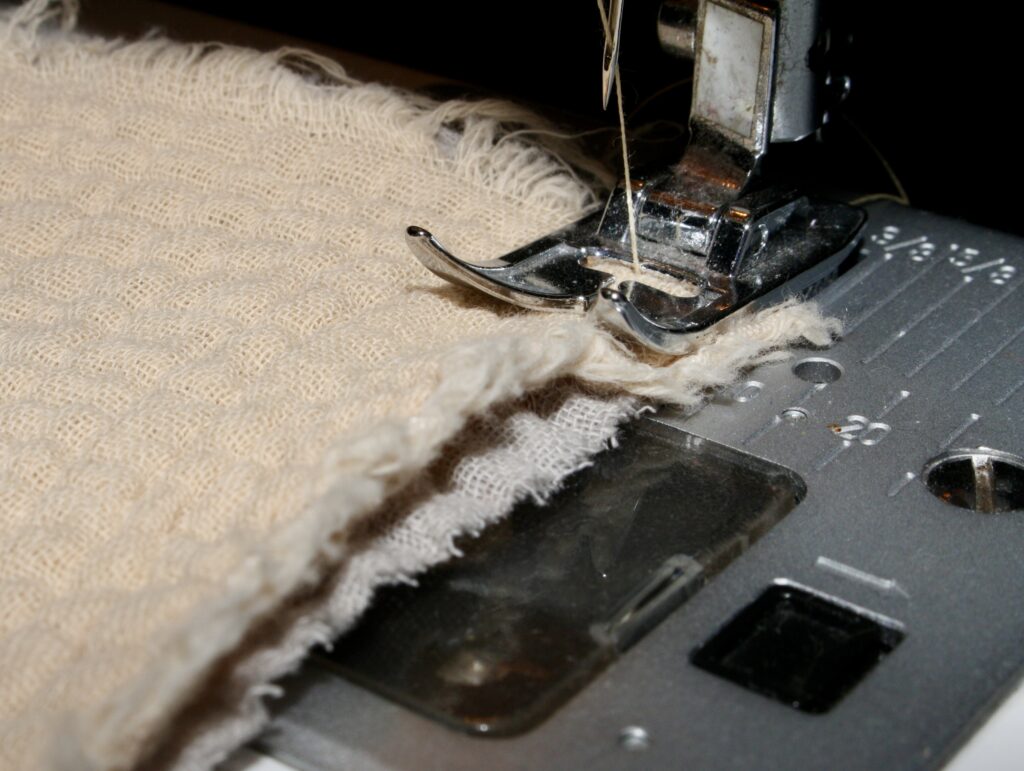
798, 648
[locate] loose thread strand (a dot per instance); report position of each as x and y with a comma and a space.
630, 213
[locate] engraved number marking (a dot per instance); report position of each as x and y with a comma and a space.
921, 251
857, 428
967, 261
1002, 274
886, 237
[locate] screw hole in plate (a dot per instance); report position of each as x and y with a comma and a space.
818, 370
980, 479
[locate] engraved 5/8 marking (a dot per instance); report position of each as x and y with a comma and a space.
967, 261
920, 249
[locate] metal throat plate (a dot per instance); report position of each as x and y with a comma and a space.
930, 363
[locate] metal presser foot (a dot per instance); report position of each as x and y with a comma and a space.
709, 242
762, 248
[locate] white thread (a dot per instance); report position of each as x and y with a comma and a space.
226, 165
630, 213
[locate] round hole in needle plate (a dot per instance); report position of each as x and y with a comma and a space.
818, 370
979, 479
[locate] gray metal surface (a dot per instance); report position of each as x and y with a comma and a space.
696, 225
930, 361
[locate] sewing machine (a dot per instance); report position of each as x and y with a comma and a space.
817, 568
869, 626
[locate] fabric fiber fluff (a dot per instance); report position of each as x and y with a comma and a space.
217, 358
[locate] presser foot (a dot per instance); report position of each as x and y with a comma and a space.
697, 265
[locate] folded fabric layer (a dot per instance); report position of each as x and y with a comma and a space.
218, 361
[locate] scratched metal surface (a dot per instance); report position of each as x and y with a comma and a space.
931, 360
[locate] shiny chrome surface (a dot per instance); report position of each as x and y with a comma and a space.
698, 223
677, 27
763, 247
978, 479
799, 74
612, 40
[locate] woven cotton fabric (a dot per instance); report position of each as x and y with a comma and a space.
217, 358
520, 449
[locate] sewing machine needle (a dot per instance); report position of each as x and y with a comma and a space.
611, 49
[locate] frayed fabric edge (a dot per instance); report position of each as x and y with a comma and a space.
232, 710
372, 465
229, 81
376, 463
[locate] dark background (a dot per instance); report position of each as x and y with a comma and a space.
935, 88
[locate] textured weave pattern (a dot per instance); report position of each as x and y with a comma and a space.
215, 352
523, 449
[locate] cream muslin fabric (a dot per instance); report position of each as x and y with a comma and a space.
218, 362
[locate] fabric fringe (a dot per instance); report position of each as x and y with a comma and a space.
361, 473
